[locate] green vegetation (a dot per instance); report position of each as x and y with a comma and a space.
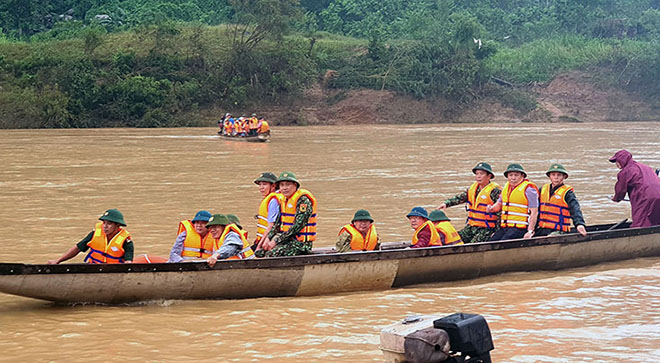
152, 63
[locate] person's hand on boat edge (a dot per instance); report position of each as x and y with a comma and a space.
212, 260
581, 230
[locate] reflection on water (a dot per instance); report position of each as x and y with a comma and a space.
56, 182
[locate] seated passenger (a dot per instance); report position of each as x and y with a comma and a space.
233, 218
263, 126
519, 203
426, 235
448, 234
559, 206
360, 235
193, 240
229, 242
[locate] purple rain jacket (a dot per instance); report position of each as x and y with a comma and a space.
643, 187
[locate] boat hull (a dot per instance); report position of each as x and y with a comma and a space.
320, 274
264, 137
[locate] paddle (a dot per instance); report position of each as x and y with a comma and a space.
617, 225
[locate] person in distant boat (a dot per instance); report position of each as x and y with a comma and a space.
447, 232
642, 185
253, 125
269, 208
359, 235
483, 192
559, 205
107, 243
519, 204
228, 126
264, 128
295, 231
425, 235
230, 243
193, 240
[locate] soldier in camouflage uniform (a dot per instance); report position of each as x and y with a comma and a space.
295, 229
480, 225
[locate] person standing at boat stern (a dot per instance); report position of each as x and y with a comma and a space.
359, 235
107, 243
642, 185
446, 231
559, 205
269, 209
230, 243
519, 204
295, 231
425, 235
193, 240
480, 224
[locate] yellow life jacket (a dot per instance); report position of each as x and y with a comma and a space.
262, 216
264, 126
193, 246
246, 252
360, 242
253, 123
288, 210
435, 237
228, 127
102, 251
478, 215
451, 236
238, 126
553, 210
515, 206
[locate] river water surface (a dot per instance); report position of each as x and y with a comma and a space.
55, 183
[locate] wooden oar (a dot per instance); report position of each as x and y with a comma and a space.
617, 225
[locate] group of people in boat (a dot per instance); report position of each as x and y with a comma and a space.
243, 126
286, 220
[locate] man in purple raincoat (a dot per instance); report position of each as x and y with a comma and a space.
643, 187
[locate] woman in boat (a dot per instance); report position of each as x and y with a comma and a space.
642, 185
425, 235
193, 241
446, 231
359, 235
519, 204
559, 205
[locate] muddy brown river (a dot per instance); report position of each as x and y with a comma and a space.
55, 183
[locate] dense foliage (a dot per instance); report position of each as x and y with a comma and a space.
145, 63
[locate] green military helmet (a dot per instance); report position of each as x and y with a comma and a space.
233, 218
485, 167
113, 215
515, 167
266, 177
218, 220
288, 176
557, 167
438, 216
362, 215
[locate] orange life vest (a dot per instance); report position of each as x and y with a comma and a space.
515, 206
451, 236
246, 252
193, 246
288, 209
253, 123
360, 242
228, 127
262, 216
102, 251
264, 126
435, 237
553, 210
478, 215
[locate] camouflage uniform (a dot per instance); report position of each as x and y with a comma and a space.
473, 234
287, 244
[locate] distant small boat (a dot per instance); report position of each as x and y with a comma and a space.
263, 137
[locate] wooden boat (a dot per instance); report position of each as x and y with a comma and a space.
321, 274
263, 137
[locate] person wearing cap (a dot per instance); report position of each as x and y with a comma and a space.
107, 243
447, 232
642, 185
230, 243
233, 218
193, 240
295, 231
359, 235
480, 224
519, 203
269, 208
425, 235
253, 124
559, 206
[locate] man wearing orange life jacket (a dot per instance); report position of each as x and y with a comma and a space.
359, 235
107, 243
193, 240
519, 204
230, 243
480, 224
559, 206
425, 235
447, 232
295, 231
269, 208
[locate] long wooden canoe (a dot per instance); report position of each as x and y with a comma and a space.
263, 137
322, 273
